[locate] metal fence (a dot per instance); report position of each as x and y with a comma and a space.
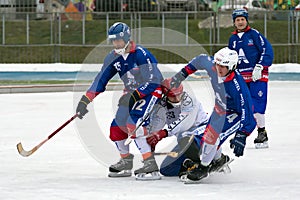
71, 35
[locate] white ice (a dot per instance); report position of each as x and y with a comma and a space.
66, 168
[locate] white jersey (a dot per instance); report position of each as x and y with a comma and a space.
177, 119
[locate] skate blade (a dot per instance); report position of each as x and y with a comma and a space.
148, 176
123, 173
225, 168
189, 181
263, 145
183, 178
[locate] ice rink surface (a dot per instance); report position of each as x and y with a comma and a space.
66, 167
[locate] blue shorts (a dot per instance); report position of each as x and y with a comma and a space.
259, 94
124, 115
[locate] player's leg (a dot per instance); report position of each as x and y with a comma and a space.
219, 161
192, 155
259, 92
118, 134
208, 150
136, 116
209, 144
211, 155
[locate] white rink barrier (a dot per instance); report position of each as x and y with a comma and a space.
6, 89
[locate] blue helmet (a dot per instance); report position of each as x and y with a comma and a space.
118, 31
239, 13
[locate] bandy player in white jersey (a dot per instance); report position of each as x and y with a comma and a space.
182, 115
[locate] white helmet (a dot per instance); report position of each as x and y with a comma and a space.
226, 57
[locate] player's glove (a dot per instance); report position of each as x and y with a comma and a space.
81, 107
238, 143
178, 78
129, 99
155, 137
256, 74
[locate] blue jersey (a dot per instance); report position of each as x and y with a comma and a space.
253, 48
138, 70
232, 97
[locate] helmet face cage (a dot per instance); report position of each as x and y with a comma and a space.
239, 13
118, 31
226, 57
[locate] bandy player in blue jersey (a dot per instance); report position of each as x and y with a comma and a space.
138, 70
233, 109
255, 58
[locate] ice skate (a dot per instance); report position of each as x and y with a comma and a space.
262, 139
122, 168
197, 174
149, 171
187, 165
221, 164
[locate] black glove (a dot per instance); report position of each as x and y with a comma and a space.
238, 143
178, 78
129, 99
81, 107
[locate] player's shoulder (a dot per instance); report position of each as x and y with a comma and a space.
139, 49
254, 31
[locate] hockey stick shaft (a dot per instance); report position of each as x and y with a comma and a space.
175, 154
28, 153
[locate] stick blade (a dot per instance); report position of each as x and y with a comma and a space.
22, 152
173, 154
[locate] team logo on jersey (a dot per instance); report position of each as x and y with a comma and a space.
186, 100
250, 42
260, 93
242, 57
117, 65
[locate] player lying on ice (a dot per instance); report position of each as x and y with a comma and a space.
233, 109
182, 115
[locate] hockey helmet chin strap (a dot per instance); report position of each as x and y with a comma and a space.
122, 50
